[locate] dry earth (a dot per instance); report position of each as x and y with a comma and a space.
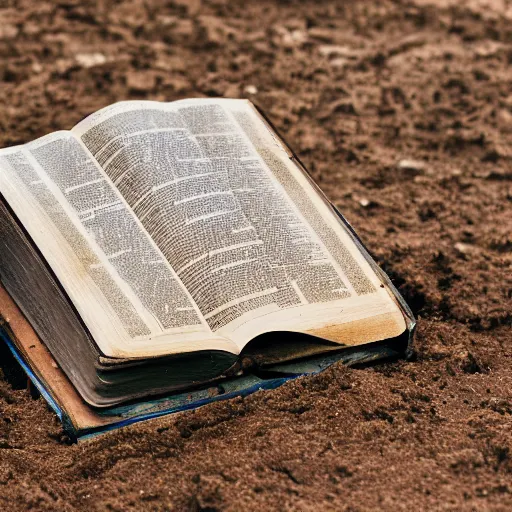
357, 88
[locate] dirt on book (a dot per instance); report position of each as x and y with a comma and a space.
402, 112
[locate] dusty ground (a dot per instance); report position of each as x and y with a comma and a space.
356, 87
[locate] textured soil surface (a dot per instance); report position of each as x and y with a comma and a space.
402, 111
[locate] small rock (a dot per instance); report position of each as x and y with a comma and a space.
333, 50
37, 67
90, 60
505, 118
367, 204
289, 38
412, 166
465, 250
295, 38
167, 21
339, 63
251, 89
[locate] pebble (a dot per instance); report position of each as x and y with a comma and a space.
290, 38
251, 89
333, 50
505, 117
465, 250
339, 63
412, 166
295, 37
90, 60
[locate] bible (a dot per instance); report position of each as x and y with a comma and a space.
162, 249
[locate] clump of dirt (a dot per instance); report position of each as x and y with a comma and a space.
402, 111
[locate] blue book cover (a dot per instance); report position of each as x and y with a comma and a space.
126, 414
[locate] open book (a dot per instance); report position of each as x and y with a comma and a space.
151, 245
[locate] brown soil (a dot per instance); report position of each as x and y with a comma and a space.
356, 87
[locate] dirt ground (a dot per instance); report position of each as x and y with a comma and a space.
402, 111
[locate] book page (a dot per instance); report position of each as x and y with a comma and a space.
369, 313
125, 290
252, 241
